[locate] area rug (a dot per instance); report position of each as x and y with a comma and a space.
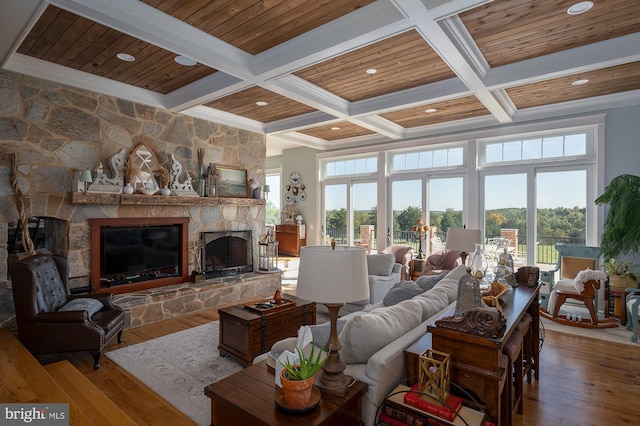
618, 334
178, 367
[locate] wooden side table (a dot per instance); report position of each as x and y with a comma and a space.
619, 297
416, 268
248, 397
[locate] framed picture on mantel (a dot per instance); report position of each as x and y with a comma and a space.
231, 182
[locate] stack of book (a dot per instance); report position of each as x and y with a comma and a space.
402, 408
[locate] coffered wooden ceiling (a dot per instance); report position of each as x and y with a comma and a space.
470, 63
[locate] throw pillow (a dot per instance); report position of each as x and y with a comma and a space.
83, 304
321, 332
380, 264
365, 334
400, 291
426, 282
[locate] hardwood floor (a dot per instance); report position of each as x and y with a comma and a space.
583, 381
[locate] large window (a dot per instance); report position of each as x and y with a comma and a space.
535, 188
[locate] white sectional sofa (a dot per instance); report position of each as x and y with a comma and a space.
373, 339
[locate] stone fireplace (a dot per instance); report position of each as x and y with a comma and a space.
57, 130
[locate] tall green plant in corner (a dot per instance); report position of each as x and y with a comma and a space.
621, 233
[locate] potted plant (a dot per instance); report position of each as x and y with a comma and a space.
297, 378
621, 232
619, 274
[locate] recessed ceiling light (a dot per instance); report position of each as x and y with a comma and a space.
185, 60
430, 110
335, 128
579, 8
372, 71
580, 82
125, 57
262, 103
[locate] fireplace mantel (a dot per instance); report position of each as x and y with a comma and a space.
161, 200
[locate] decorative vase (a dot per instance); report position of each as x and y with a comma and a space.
297, 393
468, 294
165, 191
128, 189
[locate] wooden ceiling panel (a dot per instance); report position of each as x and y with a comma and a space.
257, 25
403, 61
337, 131
69, 40
508, 31
605, 81
243, 103
456, 109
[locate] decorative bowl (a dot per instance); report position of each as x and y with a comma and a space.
148, 191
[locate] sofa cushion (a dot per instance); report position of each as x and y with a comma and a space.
380, 264
400, 291
83, 304
321, 332
365, 334
427, 282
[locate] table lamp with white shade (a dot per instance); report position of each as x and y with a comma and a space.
333, 276
463, 240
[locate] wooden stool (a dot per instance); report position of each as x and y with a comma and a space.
513, 350
519, 349
524, 328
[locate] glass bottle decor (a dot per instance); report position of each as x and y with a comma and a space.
502, 270
468, 294
508, 260
479, 266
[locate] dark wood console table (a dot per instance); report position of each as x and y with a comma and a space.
475, 361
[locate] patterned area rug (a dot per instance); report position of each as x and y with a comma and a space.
178, 367
618, 334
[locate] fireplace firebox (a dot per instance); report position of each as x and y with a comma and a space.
132, 254
225, 253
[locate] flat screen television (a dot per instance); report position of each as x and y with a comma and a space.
138, 253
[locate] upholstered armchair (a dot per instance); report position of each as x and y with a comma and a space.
442, 262
403, 254
633, 311
51, 320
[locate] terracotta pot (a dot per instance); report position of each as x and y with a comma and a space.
297, 393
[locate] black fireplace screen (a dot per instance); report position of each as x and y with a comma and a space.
226, 253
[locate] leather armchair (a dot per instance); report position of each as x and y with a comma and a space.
40, 288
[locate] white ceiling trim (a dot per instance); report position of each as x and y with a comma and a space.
49, 71
15, 26
449, 52
594, 56
221, 117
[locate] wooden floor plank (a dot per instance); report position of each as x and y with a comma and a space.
97, 405
35, 377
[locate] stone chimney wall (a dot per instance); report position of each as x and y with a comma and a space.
56, 130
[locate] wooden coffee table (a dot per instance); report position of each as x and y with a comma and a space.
248, 397
246, 333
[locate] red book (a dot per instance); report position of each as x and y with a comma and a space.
446, 411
